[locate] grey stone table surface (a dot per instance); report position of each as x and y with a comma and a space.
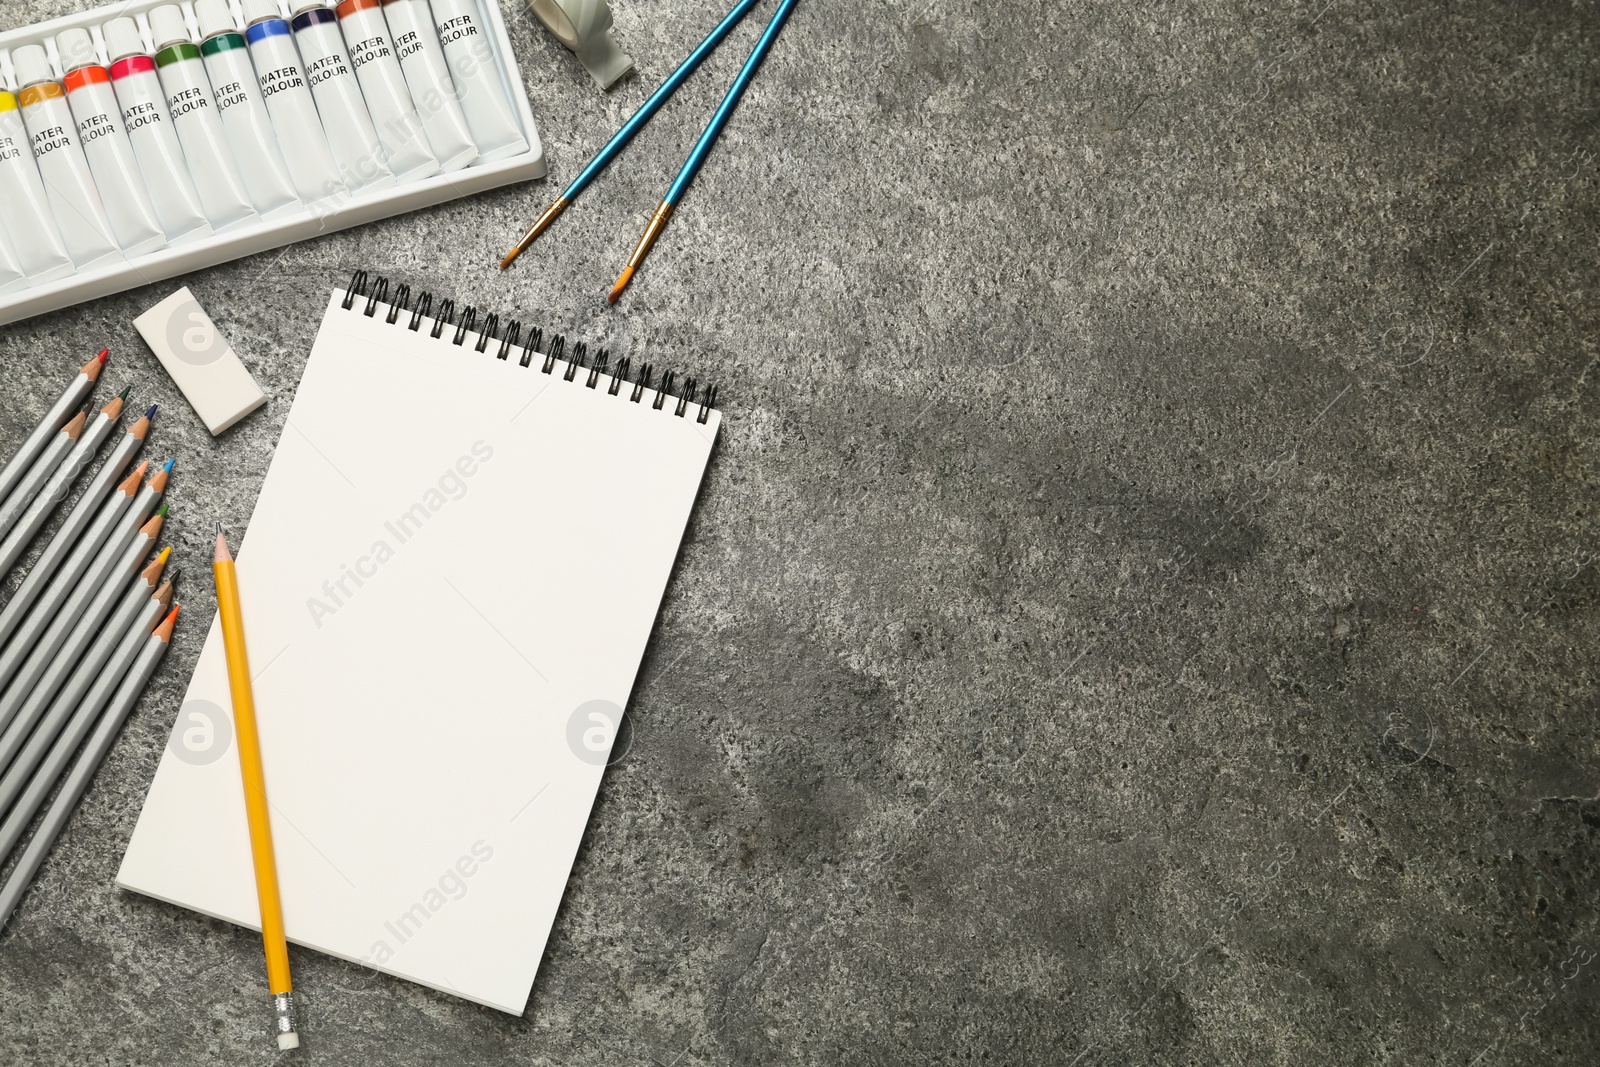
1142, 607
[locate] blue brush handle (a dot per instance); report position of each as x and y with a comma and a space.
725, 109
620, 139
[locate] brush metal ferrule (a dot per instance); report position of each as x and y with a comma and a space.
550, 215
658, 222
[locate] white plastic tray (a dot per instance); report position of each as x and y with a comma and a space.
354, 210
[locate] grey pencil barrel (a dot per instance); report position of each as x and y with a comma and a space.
27, 488
73, 396
94, 752
93, 506
72, 667
38, 771
96, 593
114, 528
55, 490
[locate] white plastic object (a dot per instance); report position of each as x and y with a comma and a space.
149, 126
416, 43
196, 253
40, 250
53, 134
106, 146
332, 79
243, 111
585, 27
490, 115
384, 86
201, 362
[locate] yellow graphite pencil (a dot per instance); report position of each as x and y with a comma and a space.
255, 794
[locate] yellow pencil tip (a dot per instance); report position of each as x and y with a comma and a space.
622, 283
165, 554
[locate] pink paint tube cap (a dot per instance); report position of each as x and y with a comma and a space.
122, 39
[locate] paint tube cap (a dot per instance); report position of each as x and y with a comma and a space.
76, 48
255, 10
215, 17
122, 39
32, 65
167, 25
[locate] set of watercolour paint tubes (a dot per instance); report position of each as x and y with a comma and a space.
125, 138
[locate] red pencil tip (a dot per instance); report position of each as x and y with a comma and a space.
105, 353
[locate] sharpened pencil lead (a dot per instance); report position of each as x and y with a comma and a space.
167, 466
105, 354
219, 528
126, 389
150, 413
161, 512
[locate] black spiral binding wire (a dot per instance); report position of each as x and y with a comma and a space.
598, 366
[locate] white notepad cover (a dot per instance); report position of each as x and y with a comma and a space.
448, 582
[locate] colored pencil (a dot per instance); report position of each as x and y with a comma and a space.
255, 794
60, 484
635, 123
78, 581
108, 616
82, 614
82, 698
43, 469
86, 527
702, 148
76, 392
94, 752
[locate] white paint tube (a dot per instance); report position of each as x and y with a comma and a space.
53, 134
332, 78
405, 144
155, 142
243, 112
194, 116
476, 75
288, 99
416, 45
106, 147
11, 276
35, 238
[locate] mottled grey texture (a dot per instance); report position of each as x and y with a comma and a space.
1142, 608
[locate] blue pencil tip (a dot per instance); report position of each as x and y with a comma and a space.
152, 412
167, 466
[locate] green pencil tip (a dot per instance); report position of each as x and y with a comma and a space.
161, 512
126, 389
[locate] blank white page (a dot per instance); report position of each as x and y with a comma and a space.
452, 559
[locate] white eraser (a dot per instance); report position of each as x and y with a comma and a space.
288, 1041
187, 343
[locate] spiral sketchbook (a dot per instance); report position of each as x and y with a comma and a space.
448, 582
